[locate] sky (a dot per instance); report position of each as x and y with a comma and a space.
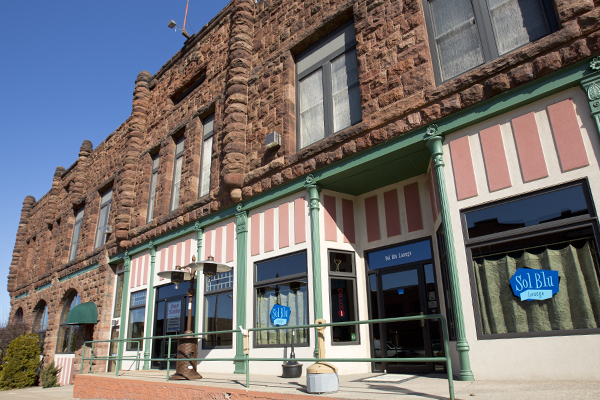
67, 74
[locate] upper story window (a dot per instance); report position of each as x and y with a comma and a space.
328, 90
103, 218
466, 33
76, 234
207, 144
177, 173
153, 180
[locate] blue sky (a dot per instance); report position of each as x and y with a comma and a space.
67, 72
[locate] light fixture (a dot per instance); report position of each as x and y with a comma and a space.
173, 24
209, 267
187, 346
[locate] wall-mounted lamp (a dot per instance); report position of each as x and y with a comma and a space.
173, 24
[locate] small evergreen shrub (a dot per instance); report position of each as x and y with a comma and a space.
21, 362
49, 375
9, 332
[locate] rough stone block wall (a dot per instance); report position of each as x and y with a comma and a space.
246, 58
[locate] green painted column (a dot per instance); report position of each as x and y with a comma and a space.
149, 306
241, 281
315, 235
434, 142
591, 86
199, 277
122, 327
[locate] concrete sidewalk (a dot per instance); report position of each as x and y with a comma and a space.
363, 386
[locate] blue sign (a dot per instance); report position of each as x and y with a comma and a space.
400, 291
534, 284
399, 255
280, 315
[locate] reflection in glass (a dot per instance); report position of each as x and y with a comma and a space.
68, 334
342, 309
218, 317
290, 294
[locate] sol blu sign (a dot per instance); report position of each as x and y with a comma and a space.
534, 284
280, 315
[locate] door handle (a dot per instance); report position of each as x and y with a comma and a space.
422, 321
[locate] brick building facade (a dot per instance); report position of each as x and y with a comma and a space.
352, 88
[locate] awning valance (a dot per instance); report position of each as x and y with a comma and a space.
84, 313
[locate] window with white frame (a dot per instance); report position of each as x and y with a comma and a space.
328, 89
342, 289
153, 181
76, 233
466, 33
177, 173
207, 144
105, 201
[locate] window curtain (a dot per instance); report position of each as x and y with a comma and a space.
345, 91
575, 306
298, 316
312, 126
517, 22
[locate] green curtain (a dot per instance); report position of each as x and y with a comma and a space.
298, 316
575, 306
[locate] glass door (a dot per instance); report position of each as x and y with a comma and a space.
403, 290
170, 318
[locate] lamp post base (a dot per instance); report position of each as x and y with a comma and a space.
186, 369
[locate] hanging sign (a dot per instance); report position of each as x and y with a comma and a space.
534, 284
174, 316
280, 315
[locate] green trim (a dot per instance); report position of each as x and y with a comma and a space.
149, 305
84, 313
199, 280
410, 143
79, 272
21, 295
591, 86
122, 327
434, 142
241, 279
46, 286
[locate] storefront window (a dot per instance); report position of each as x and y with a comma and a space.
137, 311
532, 240
68, 334
282, 281
218, 314
342, 289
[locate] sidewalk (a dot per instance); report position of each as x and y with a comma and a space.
360, 386
152, 385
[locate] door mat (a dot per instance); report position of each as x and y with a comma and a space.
396, 378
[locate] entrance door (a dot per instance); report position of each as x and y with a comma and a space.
404, 291
170, 318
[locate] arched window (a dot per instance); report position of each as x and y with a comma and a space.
67, 334
40, 322
19, 315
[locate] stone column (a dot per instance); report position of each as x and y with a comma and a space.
315, 238
51, 208
241, 283
77, 187
149, 305
135, 133
122, 327
16, 263
236, 97
434, 142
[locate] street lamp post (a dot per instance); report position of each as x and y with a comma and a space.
187, 346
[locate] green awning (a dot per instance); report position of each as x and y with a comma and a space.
85, 313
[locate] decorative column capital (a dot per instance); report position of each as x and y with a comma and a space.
313, 191
127, 260
434, 141
241, 219
591, 86
197, 226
